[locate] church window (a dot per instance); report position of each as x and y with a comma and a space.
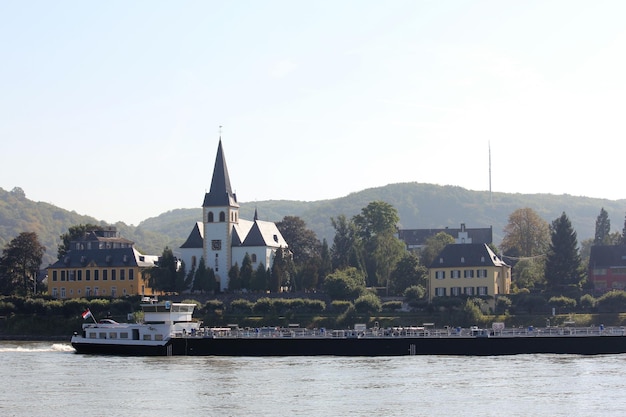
210, 217
216, 244
222, 216
253, 258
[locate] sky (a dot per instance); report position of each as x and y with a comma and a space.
113, 109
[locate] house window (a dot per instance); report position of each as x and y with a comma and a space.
79, 275
62, 275
113, 291
96, 275
95, 291
455, 273
113, 274
440, 274
482, 290
105, 274
122, 274
131, 274
71, 275
462, 260
62, 292
468, 273
87, 291
455, 291
481, 273
468, 290
55, 292
440, 292
88, 275
54, 275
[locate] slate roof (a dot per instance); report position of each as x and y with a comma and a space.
264, 233
466, 255
418, 237
106, 258
607, 256
221, 193
196, 238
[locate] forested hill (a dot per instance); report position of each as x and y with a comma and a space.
420, 206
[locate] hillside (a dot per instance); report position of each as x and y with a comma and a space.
419, 206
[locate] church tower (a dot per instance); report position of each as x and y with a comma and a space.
220, 215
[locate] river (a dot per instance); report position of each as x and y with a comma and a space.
49, 379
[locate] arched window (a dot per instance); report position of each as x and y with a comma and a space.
210, 217
222, 216
253, 258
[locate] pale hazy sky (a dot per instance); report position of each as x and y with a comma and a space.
113, 108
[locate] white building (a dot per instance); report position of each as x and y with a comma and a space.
222, 238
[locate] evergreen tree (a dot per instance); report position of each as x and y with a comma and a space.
201, 278
326, 265
234, 278
20, 264
345, 243
563, 263
623, 240
603, 228
163, 276
246, 272
259, 280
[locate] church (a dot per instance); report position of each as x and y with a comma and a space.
222, 238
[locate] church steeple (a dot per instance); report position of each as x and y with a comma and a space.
221, 193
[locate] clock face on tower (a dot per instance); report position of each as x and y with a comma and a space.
216, 244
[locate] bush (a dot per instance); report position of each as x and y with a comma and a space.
340, 305
587, 302
346, 284
392, 306
612, 302
562, 303
7, 308
241, 306
414, 293
264, 306
368, 303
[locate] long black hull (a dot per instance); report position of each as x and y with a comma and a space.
382, 346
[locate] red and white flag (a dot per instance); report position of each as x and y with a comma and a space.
86, 314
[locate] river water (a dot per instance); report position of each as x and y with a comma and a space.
49, 379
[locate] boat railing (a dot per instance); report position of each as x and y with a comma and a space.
403, 332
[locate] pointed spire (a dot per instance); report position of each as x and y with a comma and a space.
221, 193
256, 214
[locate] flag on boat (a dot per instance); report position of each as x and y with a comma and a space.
86, 314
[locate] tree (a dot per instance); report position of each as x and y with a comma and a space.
526, 234
260, 281
20, 264
376, 228
234, 279
282, 271
246, 271
163, 276
623, 239
303, 243
77, 232
433, 247
345, 284
407, 273
201, 280
345, 251
563, 264
603, 228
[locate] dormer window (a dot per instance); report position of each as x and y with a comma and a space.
462, 259
440, 260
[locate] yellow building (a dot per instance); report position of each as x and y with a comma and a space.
100, 264
468, 270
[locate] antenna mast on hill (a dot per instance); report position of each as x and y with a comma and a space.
490, 197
